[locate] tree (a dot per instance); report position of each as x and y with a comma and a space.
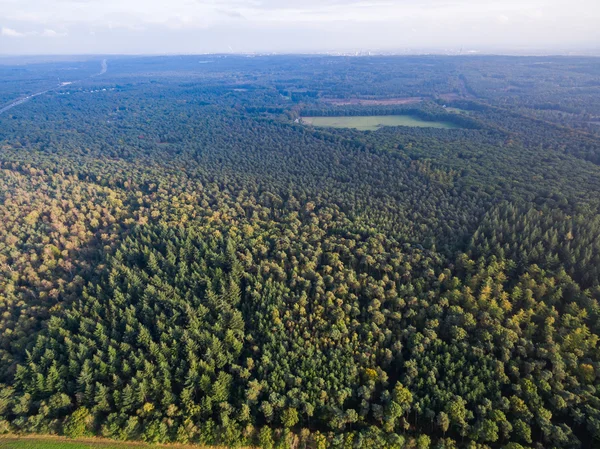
265, 438
403, 397
76, 425
522, 431
457, 413
423, 442
289, 417
443, 422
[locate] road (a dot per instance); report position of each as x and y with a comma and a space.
22, 100
104, 68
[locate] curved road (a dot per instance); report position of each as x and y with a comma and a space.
29, 97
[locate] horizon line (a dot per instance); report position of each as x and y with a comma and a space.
346, 53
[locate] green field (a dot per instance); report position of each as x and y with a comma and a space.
57, 442
373, 122
457, 110
60, 443
28, 443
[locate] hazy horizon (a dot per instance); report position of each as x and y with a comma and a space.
76, 27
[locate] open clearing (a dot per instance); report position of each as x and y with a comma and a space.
457, 110
63, 443
373, 122
371, 102
56, 442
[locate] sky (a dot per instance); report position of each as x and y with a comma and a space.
307, 26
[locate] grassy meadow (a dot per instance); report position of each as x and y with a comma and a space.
54, 442
373, 122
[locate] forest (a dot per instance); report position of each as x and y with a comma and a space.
183, 260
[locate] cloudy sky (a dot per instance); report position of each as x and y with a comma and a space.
199, 26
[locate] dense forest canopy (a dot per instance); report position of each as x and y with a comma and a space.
183, 260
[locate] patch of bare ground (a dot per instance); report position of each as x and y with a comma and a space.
450, 97
371, 102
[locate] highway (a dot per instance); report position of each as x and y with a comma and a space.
22, 100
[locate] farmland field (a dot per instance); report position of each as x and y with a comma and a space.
373, 122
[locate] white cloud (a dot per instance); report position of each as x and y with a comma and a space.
375, 24
47, 32
214, 12
9, 32
52, 33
